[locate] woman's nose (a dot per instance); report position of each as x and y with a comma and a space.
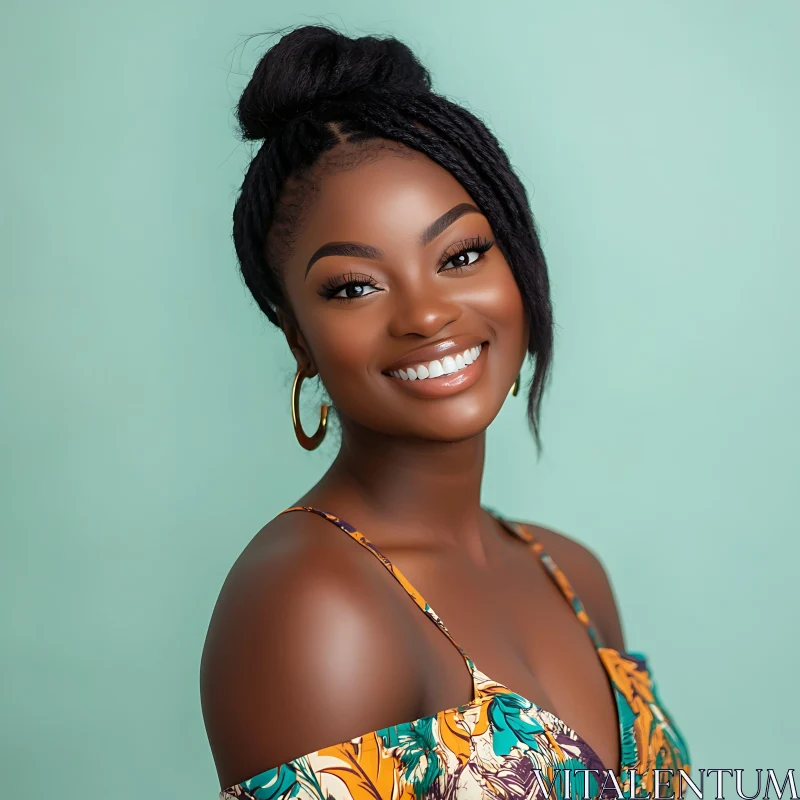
423, 309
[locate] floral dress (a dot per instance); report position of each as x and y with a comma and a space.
498, 745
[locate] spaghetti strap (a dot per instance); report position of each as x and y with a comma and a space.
523, 532
359, 537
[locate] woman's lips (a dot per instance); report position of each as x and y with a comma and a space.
449, 346
436, 368
453, 377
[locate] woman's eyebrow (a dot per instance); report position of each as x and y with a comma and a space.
445, 221
352, 249
357, 250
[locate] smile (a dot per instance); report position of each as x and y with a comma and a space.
440, 366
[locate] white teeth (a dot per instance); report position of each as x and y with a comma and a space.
435, 369
439, 367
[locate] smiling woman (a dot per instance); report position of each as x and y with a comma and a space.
381, 227
397, 250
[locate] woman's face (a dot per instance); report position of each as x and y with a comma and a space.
388, 271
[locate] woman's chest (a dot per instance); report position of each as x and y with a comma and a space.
516, 626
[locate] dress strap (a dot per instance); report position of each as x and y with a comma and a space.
359, 537
523, 532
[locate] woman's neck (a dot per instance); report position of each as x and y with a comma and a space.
425, 491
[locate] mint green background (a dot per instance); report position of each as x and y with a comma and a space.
145, 422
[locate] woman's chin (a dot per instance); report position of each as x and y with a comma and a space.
452, 417
453, 422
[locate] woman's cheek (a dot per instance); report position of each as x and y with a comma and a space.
498, 300
342, 353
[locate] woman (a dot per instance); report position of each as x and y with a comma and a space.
383, 230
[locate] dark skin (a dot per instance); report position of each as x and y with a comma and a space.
312, 642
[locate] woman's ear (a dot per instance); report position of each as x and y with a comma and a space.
297, 344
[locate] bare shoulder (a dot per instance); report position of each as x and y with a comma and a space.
298, 655
589, 578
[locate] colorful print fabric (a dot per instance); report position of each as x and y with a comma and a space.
499, 745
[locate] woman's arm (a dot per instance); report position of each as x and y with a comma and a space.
301, 652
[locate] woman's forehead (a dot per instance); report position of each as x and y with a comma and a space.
386, 194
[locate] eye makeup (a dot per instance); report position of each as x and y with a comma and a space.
353, 283
333, 287
478, 244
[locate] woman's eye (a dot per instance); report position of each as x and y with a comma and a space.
348, 287
464, 259
353, 290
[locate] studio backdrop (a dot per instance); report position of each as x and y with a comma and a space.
146, 429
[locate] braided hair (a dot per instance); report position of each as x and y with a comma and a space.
316, 89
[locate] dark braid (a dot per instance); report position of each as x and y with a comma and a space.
316, 89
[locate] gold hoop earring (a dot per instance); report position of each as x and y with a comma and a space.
515, 388
308, 442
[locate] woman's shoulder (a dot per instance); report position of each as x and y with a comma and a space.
298, 653
292, 562
589, 579
298, 576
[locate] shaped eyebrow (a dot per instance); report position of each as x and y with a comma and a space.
445, 221
358, 250
352, 249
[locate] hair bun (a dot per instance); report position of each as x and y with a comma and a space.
313, 64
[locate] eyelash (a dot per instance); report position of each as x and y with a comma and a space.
334, 285
477, 245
